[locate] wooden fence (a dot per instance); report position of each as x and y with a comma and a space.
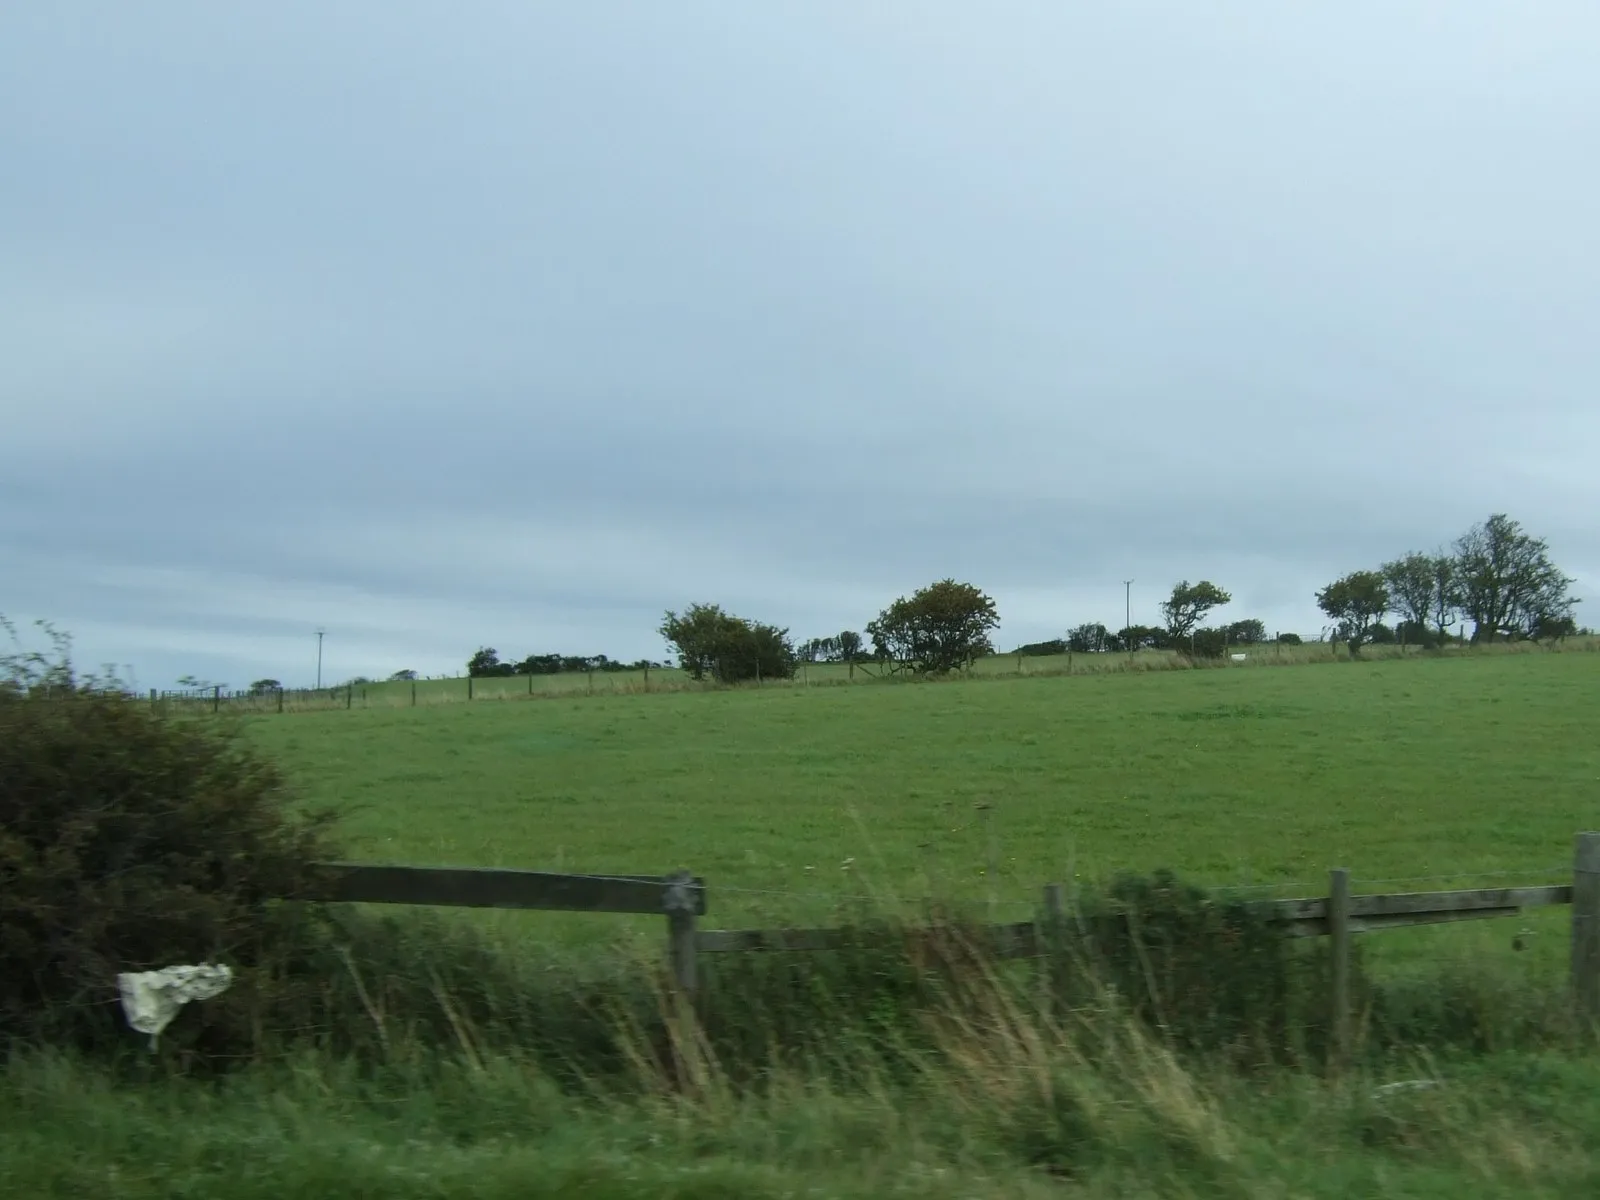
681, 900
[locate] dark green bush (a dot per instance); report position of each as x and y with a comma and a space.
1209, 974
131, 841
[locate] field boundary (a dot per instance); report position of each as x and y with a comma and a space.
451, 690
682, 898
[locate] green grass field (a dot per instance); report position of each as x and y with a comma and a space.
795, 801
424, 693
786, 798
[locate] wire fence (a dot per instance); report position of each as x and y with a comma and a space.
609, 681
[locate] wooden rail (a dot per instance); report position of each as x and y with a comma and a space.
681, 899
483, 887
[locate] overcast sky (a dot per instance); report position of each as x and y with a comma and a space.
516, 324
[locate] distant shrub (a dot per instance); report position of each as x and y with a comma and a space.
1290, 639
131, 840
1211, 973
1048, 649
1207, 643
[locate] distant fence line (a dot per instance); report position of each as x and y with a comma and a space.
682, 899
457, 689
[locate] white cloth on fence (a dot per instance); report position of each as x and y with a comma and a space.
150, 999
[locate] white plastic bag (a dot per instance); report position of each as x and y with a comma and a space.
150, 999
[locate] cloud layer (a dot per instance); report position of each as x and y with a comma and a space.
519, 325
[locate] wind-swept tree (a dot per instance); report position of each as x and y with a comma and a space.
1411, 584
1506, 582
729, 649
940, 628
1355, 603
1089, 638
1189, 604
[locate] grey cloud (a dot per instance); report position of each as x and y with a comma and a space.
522, 324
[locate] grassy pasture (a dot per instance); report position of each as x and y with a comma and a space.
794, 802
801, 797
432, 692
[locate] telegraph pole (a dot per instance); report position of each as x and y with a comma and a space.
320, 632
1127, 613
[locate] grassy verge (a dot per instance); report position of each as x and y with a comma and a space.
1187, 1066
1004, 1108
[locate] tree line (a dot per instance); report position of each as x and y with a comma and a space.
1496, 577
486, 663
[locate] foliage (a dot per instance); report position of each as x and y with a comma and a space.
405, 675
129, 841
1047, 649
1189, 604
1249, 632
262, 686
729, 649
1355, 603
1089, 638
1413, 583
1553, 628
1290, 639
1416, 633
1209, 973
485, 664
1206, 643
1141, 637
941, 628
843, 647
1506, 582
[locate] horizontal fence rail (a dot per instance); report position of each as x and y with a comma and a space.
487, 887
682, 898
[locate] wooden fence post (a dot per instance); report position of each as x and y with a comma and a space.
413, 693
349, 695
152, 697
647, 677
1339, 934
216, 699
679, 904
469, 687
1586, 925
280, 699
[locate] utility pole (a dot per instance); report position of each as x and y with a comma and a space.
320, 632
1127, 613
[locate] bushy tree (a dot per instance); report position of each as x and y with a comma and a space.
1249, 632
1188, 606
712, 643
486, 664
1412, 584
403, 676
1355, 603
1506, 582
1290, 639
1090, 638
940, 628
262, 686
1206, 643
1046, 649
131, 840
1140, 637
